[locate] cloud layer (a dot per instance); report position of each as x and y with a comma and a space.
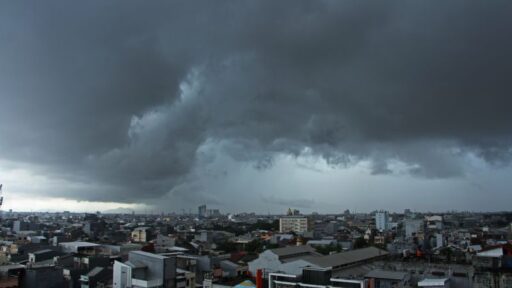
135, 100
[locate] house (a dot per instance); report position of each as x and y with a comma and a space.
231, 269
43, 277
323, 242
42, 255
383, 278
325, 271
434, 283
145, 269
86, 248
94, 277
142, 234
287, 259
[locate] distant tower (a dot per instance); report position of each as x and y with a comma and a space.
201, 211
382, 220
1, 199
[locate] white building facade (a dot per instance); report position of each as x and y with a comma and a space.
297, 224
382, 221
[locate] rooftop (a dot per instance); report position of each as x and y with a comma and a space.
496, 252
429, 282
43, 251
141, 228
95, 271
385, 274
147, 254
349, 257
78, 244
290, 251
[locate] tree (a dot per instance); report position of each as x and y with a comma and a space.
327, 249
255, 246
447, 252
227, 246
360, 243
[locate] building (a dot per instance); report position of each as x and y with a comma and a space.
292, 260
18, 226
212, 212
297, 224
42, 255
493, 267
162, 243
145, 269
413, 227
335, 270
323, 242
293, 212
439, 240
201, 211
142, 234
282, 259
382, 221
94, 277
85, 248
434, 283
434, 222
383, 278
43, 277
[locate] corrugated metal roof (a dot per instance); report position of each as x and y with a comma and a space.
95, 271
345, 258
293, 250
429, 282
496, 252
147, 254
385, 274
77, 244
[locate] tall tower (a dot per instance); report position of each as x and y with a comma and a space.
1, 199
382, 220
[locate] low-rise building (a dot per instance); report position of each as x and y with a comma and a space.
145, 269
298, 224
142, 234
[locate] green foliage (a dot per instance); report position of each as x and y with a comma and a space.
242, 228
360, 243
271, 246
255, 246
447, 252
327, 249
264, 225
227, 246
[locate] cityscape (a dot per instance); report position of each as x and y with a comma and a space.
255, 144
212, 249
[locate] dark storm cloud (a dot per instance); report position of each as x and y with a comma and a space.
126, 94
300, 203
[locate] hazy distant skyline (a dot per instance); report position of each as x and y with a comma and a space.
256, 105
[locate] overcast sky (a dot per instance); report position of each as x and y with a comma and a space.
256, 105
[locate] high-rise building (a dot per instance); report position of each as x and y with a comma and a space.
382, 220
293, 212
212, 212
201, 211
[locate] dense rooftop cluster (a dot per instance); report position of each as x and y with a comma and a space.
209, 249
